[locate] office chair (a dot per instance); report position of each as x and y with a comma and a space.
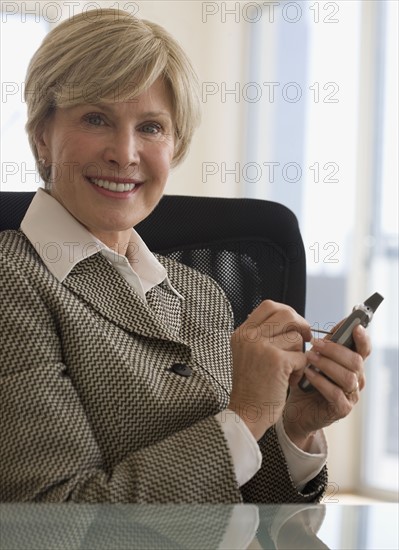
252, 248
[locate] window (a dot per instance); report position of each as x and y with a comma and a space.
323, 141
21, 34
307, 62
381, 427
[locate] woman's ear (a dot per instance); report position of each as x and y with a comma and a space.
42, 142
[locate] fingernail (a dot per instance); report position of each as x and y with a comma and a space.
312, 356
319, 344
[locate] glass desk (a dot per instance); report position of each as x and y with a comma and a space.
97, 527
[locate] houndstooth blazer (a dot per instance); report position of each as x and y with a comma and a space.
92, 409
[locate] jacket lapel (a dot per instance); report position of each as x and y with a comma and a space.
166, 305
91, 280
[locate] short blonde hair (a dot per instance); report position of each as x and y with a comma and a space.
112, 56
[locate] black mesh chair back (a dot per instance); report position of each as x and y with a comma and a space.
252, 248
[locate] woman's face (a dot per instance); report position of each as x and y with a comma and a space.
110, 162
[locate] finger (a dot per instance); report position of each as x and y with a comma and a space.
337, 353
277, 319
338, 364
362, 341
346, 379
333, 394
266, 309
288, 341
297, 361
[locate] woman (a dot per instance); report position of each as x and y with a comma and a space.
97, 332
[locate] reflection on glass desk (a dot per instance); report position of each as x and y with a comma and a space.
97, 527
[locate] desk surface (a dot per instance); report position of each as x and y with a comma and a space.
97, 527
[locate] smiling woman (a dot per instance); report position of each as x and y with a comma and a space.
118, 160
114, 362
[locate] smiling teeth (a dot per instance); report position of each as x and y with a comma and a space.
112, 186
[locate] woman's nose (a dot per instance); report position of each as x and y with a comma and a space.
123, 149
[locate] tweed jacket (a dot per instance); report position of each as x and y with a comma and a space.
91, 408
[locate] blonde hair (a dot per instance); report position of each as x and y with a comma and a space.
112, 56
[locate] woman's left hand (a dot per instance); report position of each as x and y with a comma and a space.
307, 412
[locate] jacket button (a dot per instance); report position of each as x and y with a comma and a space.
182, 370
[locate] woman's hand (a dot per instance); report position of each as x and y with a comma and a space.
305, 413
267, 351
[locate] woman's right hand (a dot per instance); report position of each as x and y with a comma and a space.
267, 351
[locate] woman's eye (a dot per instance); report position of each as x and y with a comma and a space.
94, 119
151, 128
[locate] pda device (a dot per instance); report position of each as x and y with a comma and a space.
361, 315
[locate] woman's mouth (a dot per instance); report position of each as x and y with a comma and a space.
112, 185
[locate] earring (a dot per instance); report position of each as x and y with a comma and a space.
42, 161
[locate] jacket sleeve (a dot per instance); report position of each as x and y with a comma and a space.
274, 472
48, 448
